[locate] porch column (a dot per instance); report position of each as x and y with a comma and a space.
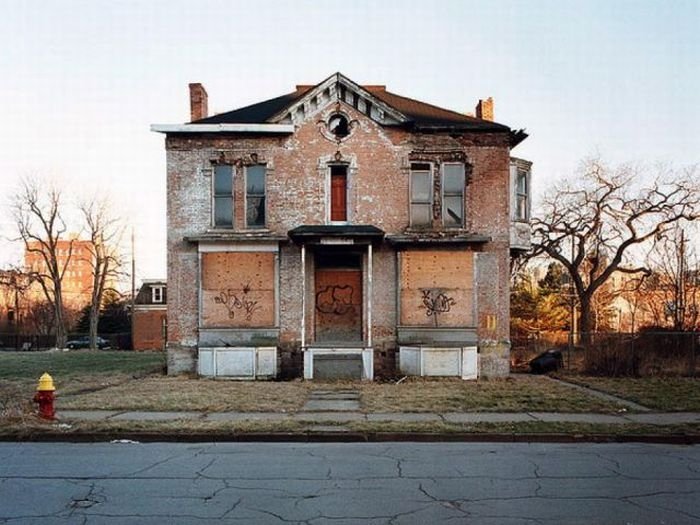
303, 297
369, 295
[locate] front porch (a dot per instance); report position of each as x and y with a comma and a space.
336, 321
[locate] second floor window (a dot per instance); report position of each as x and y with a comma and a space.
521, 195
453, 195
339, 199
223, 196
255, 196
421, 195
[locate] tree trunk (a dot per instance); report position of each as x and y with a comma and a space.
94, 318
61, 336
586, 321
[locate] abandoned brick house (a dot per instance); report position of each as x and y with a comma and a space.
341, 230
149, 315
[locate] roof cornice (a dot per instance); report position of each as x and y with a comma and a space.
222, 128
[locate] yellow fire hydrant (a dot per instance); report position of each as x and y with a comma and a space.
45, 396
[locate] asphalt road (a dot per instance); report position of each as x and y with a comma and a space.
423, 483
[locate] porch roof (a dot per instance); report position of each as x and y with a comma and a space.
336, 234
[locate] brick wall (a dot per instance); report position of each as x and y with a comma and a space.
296, 190
147, 329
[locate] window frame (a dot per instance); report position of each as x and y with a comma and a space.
215, 196
247, 196
157, 291
524, 195
431, 196
461, 194
329, 199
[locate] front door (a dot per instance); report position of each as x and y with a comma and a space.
338, 298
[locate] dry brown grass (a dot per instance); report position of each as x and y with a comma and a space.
515, 394
183, 393
669, 394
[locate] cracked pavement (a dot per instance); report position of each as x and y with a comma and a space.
348, 483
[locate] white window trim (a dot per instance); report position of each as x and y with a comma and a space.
442, 194
157, 294
245, 198
517, 194
410, 191
213, 200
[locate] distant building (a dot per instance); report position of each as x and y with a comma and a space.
73, 254
13, 300
149, 317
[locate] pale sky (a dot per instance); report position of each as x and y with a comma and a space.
81, 81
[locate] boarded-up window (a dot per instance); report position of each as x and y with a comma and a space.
453, 195
421, 195
437, 288
238, 289
339, 179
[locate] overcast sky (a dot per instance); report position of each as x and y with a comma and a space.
81, 81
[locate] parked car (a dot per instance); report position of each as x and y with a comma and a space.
548, 361
84, 342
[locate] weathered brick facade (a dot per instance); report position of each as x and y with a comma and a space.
267, 305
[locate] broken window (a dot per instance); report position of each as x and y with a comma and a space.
223, 196
339, 126
339, 184
421, 195
255, 196
453, 195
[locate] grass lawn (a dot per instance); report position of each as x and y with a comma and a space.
133, 381
76, 363
668, 394
72, 372
184, 393
515, 394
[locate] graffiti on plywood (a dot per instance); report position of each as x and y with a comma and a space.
334, 299
235, 302
435, 302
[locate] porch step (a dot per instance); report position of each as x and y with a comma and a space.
332, 401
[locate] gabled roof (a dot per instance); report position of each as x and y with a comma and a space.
403, 111
256, 113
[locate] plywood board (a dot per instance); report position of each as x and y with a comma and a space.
436, 288
338, 305
238, 289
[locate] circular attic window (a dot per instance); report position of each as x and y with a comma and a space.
338, 125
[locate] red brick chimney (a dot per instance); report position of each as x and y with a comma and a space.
484, 109
198, 102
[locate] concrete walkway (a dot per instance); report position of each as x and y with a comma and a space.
344, 415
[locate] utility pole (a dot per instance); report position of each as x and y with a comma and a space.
133, 277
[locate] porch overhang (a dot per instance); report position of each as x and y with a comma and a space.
436, 239
336, 234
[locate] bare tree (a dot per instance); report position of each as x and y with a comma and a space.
675, 289
38, 216
104, 232
592, 224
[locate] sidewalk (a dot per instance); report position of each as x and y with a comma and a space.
347, 416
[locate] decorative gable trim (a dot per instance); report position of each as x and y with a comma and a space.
337, 87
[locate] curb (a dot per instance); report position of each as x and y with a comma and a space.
351, 437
